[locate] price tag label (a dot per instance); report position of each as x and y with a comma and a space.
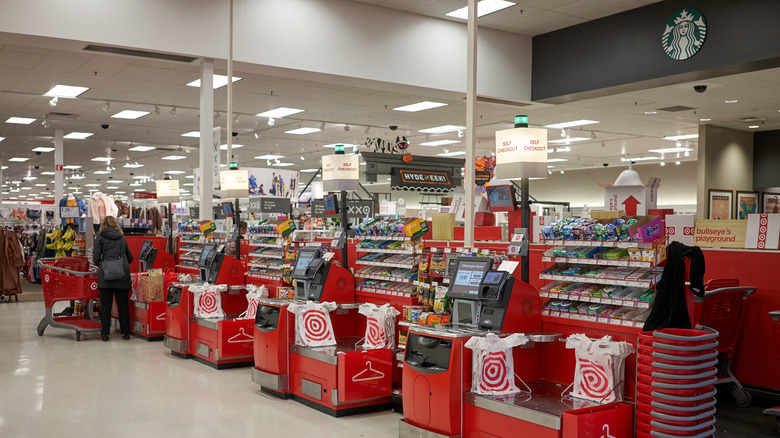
560, 259
643, 305
622, 262
434, 249
628, 323
486, 251
447, 250
545, 312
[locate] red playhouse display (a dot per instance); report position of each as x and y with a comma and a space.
437, 366
68, 279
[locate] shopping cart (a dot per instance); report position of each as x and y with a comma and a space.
68, 279
775, 411
720, 309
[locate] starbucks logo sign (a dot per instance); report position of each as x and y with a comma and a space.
684, 34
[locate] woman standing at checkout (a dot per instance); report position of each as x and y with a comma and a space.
112, 256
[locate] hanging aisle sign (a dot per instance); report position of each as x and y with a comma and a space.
340, 172
521, 153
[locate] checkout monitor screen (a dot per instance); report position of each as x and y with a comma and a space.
468, 275
302, 262
207, 255
146, 248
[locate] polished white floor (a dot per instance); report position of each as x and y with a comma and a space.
53, 386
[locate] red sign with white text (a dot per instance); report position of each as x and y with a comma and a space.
144, 195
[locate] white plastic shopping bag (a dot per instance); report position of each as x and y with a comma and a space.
493, 370
600, 367
254, 292
313, 327
208, 301
380, 325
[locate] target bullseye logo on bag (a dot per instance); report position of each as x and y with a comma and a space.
495, 373
375, 333
316, 325
595, 382
313, 327
493, 370
208, 302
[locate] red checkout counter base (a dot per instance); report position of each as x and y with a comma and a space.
274, 332
342, 380
222, 343
147, 320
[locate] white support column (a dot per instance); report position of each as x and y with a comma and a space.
230, 89
471, 123
206, 155
59, 176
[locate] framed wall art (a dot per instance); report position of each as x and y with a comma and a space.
746, 203
770, 203
720, 202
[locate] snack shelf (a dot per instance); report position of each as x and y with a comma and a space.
190, 268
600, 262
251, 235
599, 323
402, 238
385, 294
267, 256
191, 259
388, 251
194, 241
384, 278
389, 265
605, 243
263, 276
608, 281
600, 300
267, 245
263, 265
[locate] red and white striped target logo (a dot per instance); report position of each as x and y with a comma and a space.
763, 227
594, 382
207, 302
251, 310
316, 327
495, 373
375, 332
46, 278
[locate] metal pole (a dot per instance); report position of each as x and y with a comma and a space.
170, 226
525, 219
344, 230
471, 123
230, 89
237, 215
206, 151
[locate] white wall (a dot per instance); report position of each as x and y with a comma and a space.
725, 162
335, 37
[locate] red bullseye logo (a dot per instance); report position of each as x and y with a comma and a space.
207, 303
251, 310
495, 373
376, 334
315, 323
594, 381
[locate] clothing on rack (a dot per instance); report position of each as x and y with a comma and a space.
100, 206
11, 261
78, 203
670, 309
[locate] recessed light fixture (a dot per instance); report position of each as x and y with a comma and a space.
753, 126
731, 101
442, 129
195, 134
283, 164
20, 120
78, 135
484, 7
174, 172
624, 159
571, 124
439, 142
112, 187
682, 137
42, 173
41, 185
309, 170
30, 178
142, 148
91, 185
2, 138
704, 120
190, 177
18, 159
670, 150
451, 154
130, 114
223, 147
42, 149
567, 140
219, 81
188, 184
67, 91
556, 160
420, 106
303, 131
72, 166
173, 157
280, 112
677, 162
101, 172
101, 159
650, 113
268, 157
133, 165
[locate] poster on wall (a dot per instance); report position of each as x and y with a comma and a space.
262, 181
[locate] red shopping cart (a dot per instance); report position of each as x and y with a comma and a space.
775, 411
720, 309
68, 279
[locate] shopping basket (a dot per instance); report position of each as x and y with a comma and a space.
68, 279
720, 309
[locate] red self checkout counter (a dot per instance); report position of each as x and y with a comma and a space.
215, 268
147, 320
437, 365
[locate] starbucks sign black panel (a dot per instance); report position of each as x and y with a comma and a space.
684, 34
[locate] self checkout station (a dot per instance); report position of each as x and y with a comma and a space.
147, 320
217, 342
336, 376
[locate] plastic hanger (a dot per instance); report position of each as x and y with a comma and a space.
241, 336
368, 374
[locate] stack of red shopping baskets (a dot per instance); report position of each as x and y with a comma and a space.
676, 375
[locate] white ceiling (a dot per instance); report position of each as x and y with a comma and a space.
30, 66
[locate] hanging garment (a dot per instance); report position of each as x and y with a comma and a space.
313, 327
493, 369
670, 309
11, 261
83, 210
599, 372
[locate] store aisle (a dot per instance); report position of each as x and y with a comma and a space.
55, 386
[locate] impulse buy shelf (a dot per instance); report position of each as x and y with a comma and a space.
267, 256
387, 267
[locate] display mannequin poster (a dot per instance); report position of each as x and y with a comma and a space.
262, 181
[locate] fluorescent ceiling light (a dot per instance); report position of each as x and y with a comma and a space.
173, 157
101, 159
42, 173
195, 134
309, 170
640, 158
20, 120
268, 157
30, 178
442, 129
753, 126
78, 135
484, 7
142, 148
731, 101
682, 137
346, 145
17, 159
67, 91
235, 146
571, 124
705, 120
420, 106
26, 188
280, 112
101, 172
556, 160
2, 138
219, 81
451, 154
41, 185
133, 165
72, 166
282, 164
116, 181
670, 150
567, 140
42, 149
188, 184
112, 187
440, 142
130, 114
91, 185
174, 172
190, 176
303, 131
120, 193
